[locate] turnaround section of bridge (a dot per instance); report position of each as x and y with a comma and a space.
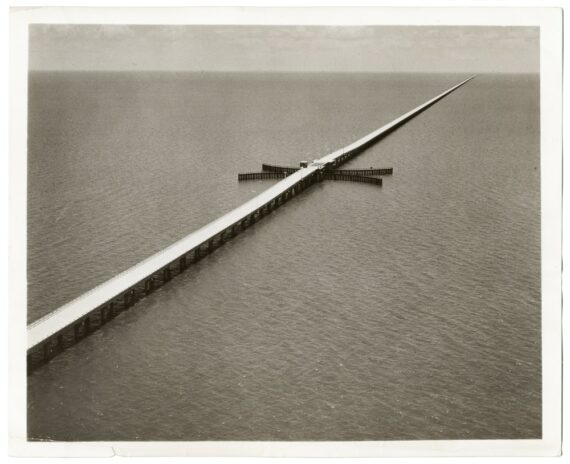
68, 324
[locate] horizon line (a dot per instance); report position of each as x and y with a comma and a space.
233, 71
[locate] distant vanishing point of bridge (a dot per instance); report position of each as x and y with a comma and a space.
62, 328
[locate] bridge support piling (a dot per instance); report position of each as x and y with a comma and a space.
96, 320
46, 351
148, 285
76, 332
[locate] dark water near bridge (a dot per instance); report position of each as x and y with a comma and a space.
410, 311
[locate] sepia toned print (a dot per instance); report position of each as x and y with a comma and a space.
284, 233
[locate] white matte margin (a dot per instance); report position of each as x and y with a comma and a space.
550, 22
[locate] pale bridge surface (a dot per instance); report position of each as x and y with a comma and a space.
45, 330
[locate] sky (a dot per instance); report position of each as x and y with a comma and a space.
284, 48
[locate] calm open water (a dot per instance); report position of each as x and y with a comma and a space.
353, 312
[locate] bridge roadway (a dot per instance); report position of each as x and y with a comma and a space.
63, 327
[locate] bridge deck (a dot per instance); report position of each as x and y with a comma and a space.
67, 315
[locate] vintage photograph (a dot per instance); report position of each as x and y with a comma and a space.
245, 232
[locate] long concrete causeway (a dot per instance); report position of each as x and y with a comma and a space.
68, 324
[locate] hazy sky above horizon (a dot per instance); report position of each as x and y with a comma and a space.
284, 48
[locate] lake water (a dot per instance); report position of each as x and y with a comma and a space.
353, 312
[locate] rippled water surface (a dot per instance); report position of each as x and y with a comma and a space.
353, 312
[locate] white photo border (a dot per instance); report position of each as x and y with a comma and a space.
549, 20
